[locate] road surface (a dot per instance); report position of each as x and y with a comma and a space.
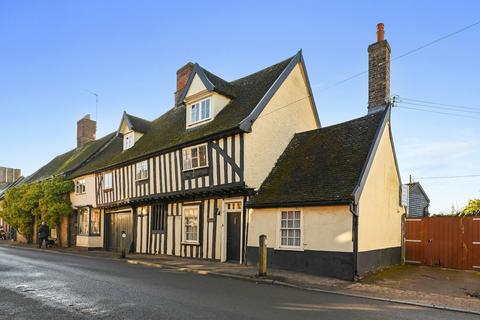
50, 285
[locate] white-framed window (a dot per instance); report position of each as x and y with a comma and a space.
107, 181
200, 111
190, 224
88, 222
80, 186
128, 140
195, 157
141, 170
290, 229
83, 219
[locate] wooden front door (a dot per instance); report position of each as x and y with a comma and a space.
233, 236
116, 224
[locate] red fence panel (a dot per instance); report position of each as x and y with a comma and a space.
449, 242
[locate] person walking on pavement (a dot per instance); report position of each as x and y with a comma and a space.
43, 233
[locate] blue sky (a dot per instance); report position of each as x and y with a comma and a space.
128, 52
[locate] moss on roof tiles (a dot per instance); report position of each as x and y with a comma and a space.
221, 86
169, 130
68, 161
139, 124
322, 165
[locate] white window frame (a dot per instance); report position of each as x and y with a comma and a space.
130, 138
279, 231
184, 150
80, 186
105, 187
141, 170
184, 238
190, 121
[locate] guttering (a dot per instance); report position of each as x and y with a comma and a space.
354, 211
299, 204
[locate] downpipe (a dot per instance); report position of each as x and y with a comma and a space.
354, 211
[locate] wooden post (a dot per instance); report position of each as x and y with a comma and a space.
262, 256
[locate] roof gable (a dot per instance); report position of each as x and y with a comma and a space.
169, 130
133, 124
331, 165
210, 82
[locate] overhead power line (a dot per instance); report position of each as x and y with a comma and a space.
441, 104
428, 44
438, 107
449, 177
438, 112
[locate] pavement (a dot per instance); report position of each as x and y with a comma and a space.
82, 285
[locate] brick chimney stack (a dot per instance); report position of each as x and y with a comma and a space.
378, 72
182, 77
86, 130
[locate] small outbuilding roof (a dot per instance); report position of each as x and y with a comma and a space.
322, 166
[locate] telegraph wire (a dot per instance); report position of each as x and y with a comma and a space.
448, 177
438, 112
437, 107
428, 44
440, 104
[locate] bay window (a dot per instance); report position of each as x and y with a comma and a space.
88, 222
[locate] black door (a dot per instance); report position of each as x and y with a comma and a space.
233, 236
72, 228
116, 224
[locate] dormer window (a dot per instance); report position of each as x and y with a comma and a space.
128, 140
200, 111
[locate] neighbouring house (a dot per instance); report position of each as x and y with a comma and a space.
16, 180
418, 201
178, 185
8, 176
82, 226
331, 205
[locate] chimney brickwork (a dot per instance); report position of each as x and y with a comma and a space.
378, 72
182, 78
86, 131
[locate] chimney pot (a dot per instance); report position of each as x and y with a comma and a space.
378, 72
380, 32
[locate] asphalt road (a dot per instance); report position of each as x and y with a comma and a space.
50, 285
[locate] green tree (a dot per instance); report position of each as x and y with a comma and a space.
48, 200
473, 207
20, 206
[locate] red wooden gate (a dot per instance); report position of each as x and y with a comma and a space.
449, 242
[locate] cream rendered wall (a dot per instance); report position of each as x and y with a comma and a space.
326, 228
88, 198
196, 86
276, 125
380, 212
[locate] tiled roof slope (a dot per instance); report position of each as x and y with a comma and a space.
322, 165
138, 124
169, 130
69, 161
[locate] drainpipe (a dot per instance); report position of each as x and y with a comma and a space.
354, 211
